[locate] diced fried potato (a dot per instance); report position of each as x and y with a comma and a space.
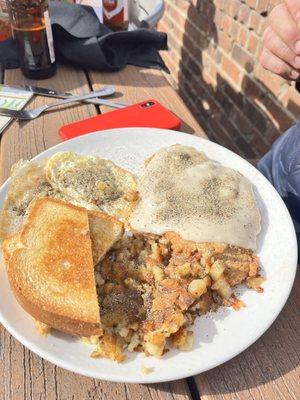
199, 286
222, 288
98, 278
42, 328
182, 340
134, 342
234, 276
109, 347
108, 288
123, 332
156, 252
173, 323
154, 343
183, 270
205, 303
145, 370
206, 258
255, 282
216, 270
254, 267
158, 273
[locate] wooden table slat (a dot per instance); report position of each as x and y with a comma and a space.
137, 84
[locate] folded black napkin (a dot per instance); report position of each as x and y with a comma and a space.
80, 39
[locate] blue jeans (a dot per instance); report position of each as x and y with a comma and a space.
281, 166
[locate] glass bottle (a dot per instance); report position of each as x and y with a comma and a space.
115, 13
5, 31
31, 29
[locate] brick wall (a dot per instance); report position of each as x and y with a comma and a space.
213, 58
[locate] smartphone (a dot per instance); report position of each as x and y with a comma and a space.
147, 114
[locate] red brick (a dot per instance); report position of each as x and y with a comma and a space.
263, 25
238, 118
270, 81
262, 6
293, 104
206, 60
218, 57
252, 3
226, 24
245, 147
253, 89
226, 7
247, 101
199, 19
213, 73
260, 143
189, 45
234, 8
242, 36
218, 18
224, 42
209, 9
242, 57
234, 30
273, 132
244, 13
256, 22
181, 4
253, 44
224, 137
231, 69
279, 116
256, 115
219, 4
176, 17
208, 79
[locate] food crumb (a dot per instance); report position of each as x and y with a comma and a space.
146, 370
237, 304
42, 328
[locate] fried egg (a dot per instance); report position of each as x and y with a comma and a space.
94, 180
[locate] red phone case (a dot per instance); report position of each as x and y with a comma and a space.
147, 114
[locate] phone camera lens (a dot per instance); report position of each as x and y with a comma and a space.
148, 104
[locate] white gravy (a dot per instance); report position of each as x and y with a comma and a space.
181, 190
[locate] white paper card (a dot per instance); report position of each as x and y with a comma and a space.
14, 99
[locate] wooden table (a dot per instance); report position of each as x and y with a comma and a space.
267, 370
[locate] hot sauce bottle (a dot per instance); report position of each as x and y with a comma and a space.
115, 13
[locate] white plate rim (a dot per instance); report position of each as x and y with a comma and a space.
147, 379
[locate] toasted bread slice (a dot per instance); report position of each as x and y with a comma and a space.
52, 274
94, 180
104, 231
9, 245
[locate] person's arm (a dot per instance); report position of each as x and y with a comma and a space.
281, 39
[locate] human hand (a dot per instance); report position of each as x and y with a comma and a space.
281, 40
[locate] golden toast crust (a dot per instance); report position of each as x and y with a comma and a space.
52, 276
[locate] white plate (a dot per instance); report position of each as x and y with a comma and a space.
218, 336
